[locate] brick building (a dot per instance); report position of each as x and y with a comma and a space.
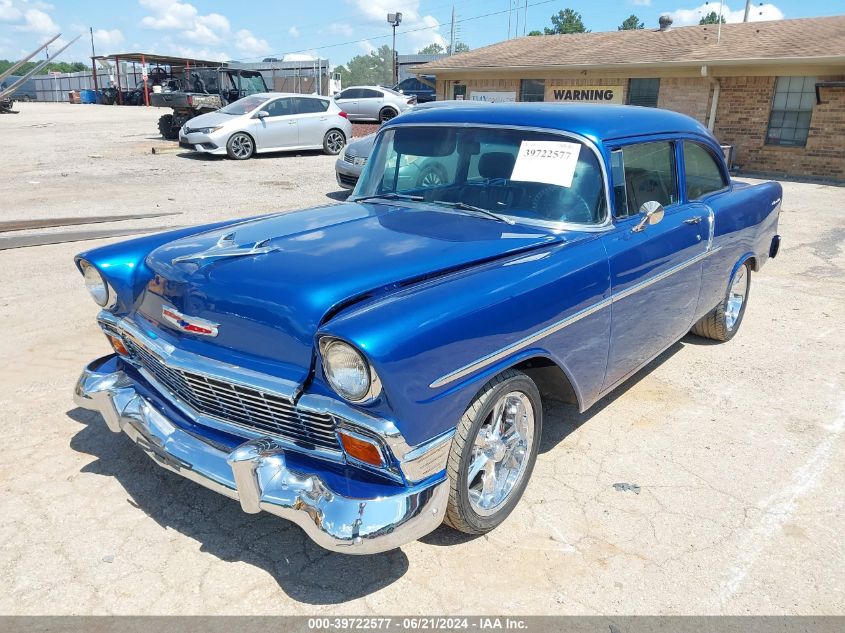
775, 91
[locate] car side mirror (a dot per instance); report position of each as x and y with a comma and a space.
652, 212
262, 114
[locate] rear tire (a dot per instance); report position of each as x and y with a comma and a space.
333, 142
493, 453
166, 127
240, 146
723, 321
386, 114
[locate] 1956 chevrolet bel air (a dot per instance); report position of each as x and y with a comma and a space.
372, 369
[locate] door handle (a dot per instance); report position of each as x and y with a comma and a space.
695, 220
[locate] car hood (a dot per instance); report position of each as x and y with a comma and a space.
211, 119
362, 146
306, 266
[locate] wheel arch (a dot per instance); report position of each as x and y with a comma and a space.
245, 133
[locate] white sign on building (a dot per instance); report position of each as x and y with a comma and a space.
493, 97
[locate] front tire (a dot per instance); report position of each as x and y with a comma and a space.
333, 142
166, 127
493, 453
723, 321
240, 146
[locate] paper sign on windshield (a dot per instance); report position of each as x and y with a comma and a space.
551, 162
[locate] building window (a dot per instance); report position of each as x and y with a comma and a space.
643, 92
459, 92
792, 109
532, 90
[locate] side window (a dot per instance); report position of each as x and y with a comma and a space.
641, 173
307, 105
279, 107
371, 94
702, 172
351, 93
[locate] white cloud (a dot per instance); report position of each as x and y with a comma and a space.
641, 3
37, 21
367, 46
759, 13
168, 14
299, 57
374, 13
293, 32
9, 12
108, 39
250, 45
341, 28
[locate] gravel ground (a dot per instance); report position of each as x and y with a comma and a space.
737, 449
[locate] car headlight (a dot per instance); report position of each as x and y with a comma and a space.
348, 372
208, 130
103, 294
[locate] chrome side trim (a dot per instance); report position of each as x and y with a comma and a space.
559, 325
520, 344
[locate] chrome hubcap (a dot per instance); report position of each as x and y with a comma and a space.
241, 146
500, 453
736, 297
431, 179
335, 142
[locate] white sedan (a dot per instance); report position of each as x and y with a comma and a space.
269, 122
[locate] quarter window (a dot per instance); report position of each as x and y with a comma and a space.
643, 92
792, 109
641, 173
310, 105
371, 94
532, 90
701, 172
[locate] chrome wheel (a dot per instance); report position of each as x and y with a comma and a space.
431, 178
501, 452
241, 146
335, 141
736, 297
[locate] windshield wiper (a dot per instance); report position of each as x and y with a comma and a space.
389, 196
463, 206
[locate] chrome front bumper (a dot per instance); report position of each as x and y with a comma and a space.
256, 473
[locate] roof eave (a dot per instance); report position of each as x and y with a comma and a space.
760, 61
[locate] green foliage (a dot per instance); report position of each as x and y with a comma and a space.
432, 49
371, 69
61, 67
533, 33
565, 22
460, 47
631, 23
711, 18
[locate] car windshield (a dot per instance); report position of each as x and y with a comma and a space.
242, 106
524, 175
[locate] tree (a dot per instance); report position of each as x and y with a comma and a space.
460, 47
533, 33
565, 22
61, 67
374, 68
432, 49
711, 18
631, 23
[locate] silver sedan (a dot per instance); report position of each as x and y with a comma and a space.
373, 103
269, 122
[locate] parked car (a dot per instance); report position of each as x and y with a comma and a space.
349, 166
371, 369
421, 87
373, 103
269, 122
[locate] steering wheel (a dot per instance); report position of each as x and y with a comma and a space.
551, 200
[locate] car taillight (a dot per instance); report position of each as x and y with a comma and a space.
190, 100
343, 114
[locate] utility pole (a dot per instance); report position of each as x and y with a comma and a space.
516, 28
394, 19
93, 61
452, 33
510, 15
747, 10
525, 17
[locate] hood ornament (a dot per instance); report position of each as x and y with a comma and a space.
226, 247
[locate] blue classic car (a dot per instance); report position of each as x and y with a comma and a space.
372, 369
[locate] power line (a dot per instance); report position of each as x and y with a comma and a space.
387, 36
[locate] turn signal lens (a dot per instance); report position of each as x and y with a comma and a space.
361, 449
117, 345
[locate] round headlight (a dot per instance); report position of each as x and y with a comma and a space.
347, 370
100, 290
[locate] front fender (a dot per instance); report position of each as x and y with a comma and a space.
491, 313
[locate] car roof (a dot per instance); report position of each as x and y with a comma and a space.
594, 121
273, 95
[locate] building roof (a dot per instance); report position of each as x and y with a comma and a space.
777, 41
597, 122
152, 58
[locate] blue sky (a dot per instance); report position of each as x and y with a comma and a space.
336, 29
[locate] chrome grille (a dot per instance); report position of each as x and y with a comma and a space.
237, 404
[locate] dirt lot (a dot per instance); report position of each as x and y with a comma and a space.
737, 449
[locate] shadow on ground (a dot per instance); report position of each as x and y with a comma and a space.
303, 570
